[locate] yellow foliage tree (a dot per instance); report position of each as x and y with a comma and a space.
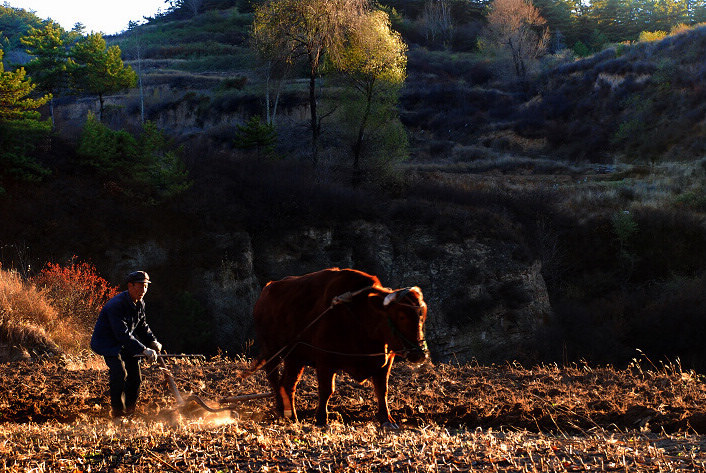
375, 63
308, 30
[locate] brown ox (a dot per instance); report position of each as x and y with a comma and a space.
336, 320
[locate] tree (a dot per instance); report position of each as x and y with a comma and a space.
311, 30
562, 16
98, 70
256, 135
146, 167
192, 5
48, 67
277, 62
516, 27
135, 33
20, 126
438, 22
374, 62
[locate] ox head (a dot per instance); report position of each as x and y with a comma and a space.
406, 314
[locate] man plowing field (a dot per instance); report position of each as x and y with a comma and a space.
121, 332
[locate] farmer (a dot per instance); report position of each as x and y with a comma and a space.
121, 333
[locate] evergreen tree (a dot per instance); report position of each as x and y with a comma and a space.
146, 168
48, 66
256, 135
20, 126
96, 69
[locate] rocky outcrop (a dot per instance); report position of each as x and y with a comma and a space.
485, 302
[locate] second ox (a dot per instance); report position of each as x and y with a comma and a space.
336, 320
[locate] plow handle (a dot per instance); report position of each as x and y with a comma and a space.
175, 355
244, 397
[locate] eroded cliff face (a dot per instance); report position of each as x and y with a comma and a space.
486, 298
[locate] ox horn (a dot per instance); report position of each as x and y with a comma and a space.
393, 296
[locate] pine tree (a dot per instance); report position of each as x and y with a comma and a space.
96, 69
48, 68
20, 126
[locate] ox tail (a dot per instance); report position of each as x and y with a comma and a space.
250, 370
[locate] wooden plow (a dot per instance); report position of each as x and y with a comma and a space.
193, 405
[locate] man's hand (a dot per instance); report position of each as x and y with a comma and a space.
150, 354
156, 346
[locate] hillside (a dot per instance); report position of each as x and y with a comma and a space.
497, 418
457, 105
521, 212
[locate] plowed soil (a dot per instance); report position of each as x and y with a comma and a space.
452, 418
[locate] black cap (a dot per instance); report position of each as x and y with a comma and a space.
138, 276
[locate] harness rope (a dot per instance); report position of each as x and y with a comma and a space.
343, 298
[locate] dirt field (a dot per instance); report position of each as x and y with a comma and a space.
470, 418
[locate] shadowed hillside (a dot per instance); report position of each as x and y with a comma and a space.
557, 218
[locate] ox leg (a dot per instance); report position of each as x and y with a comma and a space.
327, 384
380, 382
288, 387
272, 371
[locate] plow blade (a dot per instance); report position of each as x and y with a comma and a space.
193, 403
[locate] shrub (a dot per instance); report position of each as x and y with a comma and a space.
649, 36
234, 83
29, 324
75, 290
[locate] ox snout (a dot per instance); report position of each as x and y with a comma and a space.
418, 354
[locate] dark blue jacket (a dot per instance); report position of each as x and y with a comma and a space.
121, 325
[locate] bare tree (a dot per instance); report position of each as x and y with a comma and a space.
437, 21
193, 5
135, 32
517, 28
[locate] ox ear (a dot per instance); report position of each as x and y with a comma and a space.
417, 292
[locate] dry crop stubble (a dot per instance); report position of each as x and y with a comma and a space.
454, 418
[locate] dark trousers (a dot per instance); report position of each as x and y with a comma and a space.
124, 381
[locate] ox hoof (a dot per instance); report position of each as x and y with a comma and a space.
323, 427
390, 426
288, 413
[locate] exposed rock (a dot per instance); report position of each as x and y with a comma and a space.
136, 257
232, 290
485, 302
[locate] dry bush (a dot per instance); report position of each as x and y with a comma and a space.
52, 312
27, 320
76, 292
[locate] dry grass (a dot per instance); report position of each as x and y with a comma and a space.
28, 323
52, 312
467, 418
